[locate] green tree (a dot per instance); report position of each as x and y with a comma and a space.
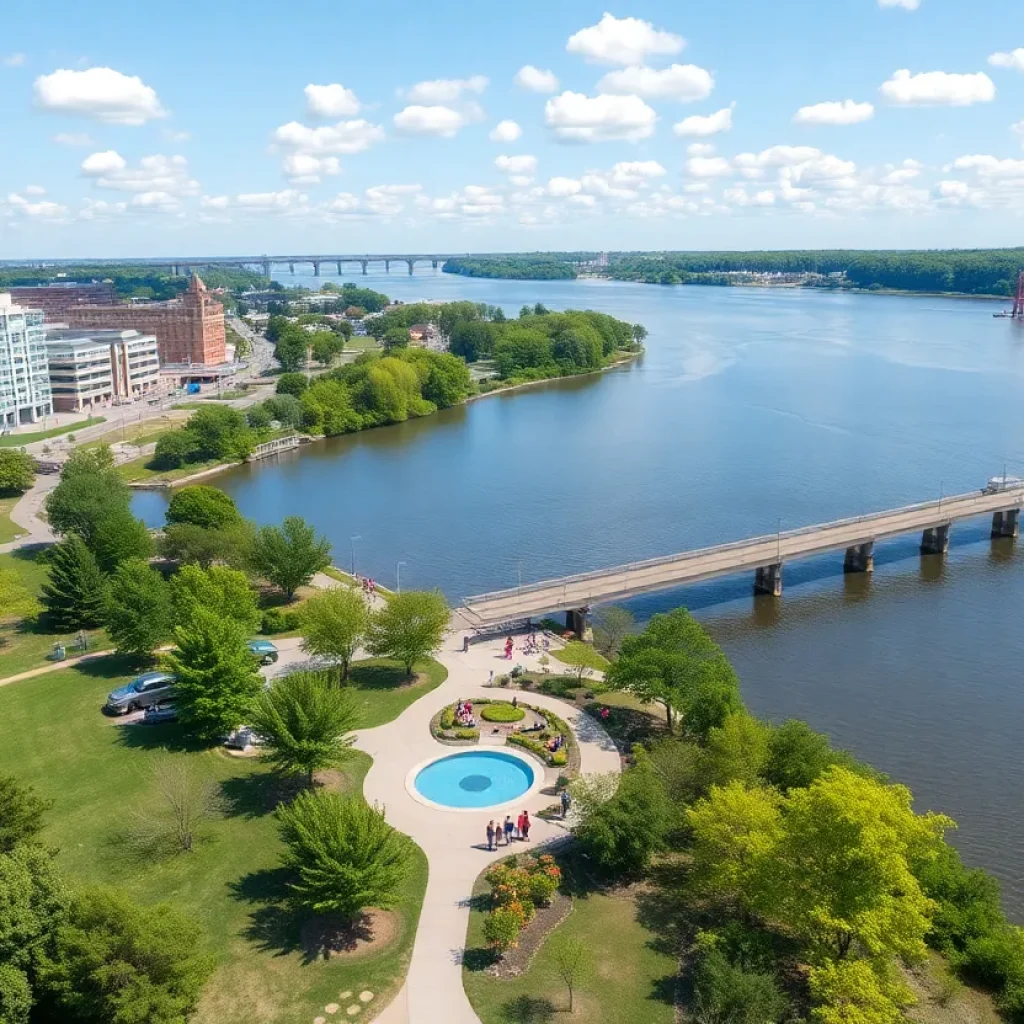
17, 471
797, 755
204, 506
221, 433
185, 543
574, 963
15, 995
344, 856
334, 623
639, 333
73, 595
217, 679
850, 992
21, 813
737, 750
137, 609
725, 991
409, 626
447, 381
396, 338
293, 384
291, 348
675, 663
289, 555
89, 489
578, 660
119, 536
223, 591
174, 448
117, 962
612, 625
306, 724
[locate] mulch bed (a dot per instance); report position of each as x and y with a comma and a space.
516, 961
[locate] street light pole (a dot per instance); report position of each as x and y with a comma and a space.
398, 574
353, 542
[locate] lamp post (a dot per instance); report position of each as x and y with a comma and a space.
352, 541
398, 574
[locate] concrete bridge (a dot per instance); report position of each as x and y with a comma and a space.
764, 556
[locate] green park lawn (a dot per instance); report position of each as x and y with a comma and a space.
140, 471
19, 440
8, 529
99, 775
385, 692
595, 660
633, 980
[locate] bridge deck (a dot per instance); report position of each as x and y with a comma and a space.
625, 581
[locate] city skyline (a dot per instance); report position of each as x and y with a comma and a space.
892, 123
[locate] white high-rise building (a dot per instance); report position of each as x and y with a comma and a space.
24, 374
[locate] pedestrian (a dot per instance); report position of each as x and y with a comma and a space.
566, 801
490, 835
465, 643
509, 829
515, 701
490, 678
524, 827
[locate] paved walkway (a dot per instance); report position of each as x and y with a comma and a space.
454, 842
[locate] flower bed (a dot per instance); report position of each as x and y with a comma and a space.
567, 756
499, 711
518, 888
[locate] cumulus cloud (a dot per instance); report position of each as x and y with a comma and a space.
636, 172
708, 167
777, 156
342, 138
77, 139
562, 187
991, 167
516, 164
214, 202
1014, 59
307, 169
332, 100
100, 209
13, 60
938, 89
283, 200
907, 5
623, 41
446, 90
1018, 129
505, 131
439, 121
682, 82
34, 190
160, 201
740, 197
837, 112
700, 149
164, 174
904, 173
44, 209
704, 125
575, 117
101, 93
474, 203
535, 79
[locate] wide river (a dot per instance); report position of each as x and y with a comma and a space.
751, 410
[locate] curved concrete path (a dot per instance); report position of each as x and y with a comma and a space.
454, 841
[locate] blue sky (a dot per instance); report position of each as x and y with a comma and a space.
234, 128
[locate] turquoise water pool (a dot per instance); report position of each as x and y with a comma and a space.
475, 779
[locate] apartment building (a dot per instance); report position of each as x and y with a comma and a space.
24, 378
89, 368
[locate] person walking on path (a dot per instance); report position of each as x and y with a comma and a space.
509, 829
566, 802
524, 826
490, 835
515, 701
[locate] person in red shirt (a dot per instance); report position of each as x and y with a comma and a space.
524, 826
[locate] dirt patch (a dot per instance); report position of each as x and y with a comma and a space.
335, 781
941, 999
325, 937
516, 961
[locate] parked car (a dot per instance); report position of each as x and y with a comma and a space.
156, 713
143, 691
263, 651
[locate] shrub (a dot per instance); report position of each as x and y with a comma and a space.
501, 929
174, 449
277, 621
467, 734
726, 992
204, 506
447, 718
500, 712
543, 885
559, 759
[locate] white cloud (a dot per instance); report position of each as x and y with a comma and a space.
73, 139
575, 117
156, 201
34, 190
636, 172
389, 200
740, 197
13, 60
1014, 59
332, 100
708, 167
938, 89
906, 172
952, 189
100, 209
163, 174
562, 187
505, 131
777, 156
516, 164
474, 202
44, 209
907, 5
446, 90
682, 82
535, 79
835, 112
306, 169
102, 93
623, 41
440, 121
700, 149
342, 138
214, 202
103, 163
176, 136
1018, 129
711, 124
282, 200
991, 167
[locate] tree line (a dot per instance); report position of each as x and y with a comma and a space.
526, 267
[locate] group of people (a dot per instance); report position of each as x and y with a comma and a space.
464, 714
556, 743
369, 586
531, 645
508, 830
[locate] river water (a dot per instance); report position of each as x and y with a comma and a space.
752, 410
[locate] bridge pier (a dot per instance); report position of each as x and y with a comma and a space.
935, 540
768, 580
339, 268
410, 262
292, 267
433, 263
316, 268
266, 269
578, 620
1006, 524
387, 266
860, 558
364, 262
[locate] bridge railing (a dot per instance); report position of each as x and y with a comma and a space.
685, 556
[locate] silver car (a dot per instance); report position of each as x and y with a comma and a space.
143, 691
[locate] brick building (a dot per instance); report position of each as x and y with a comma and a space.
57, 298
189, 330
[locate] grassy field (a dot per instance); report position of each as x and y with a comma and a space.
99, 773
140, 434
595, 659
19, 440
139, 471
633, 981
8, 529
24, 644
384, 691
